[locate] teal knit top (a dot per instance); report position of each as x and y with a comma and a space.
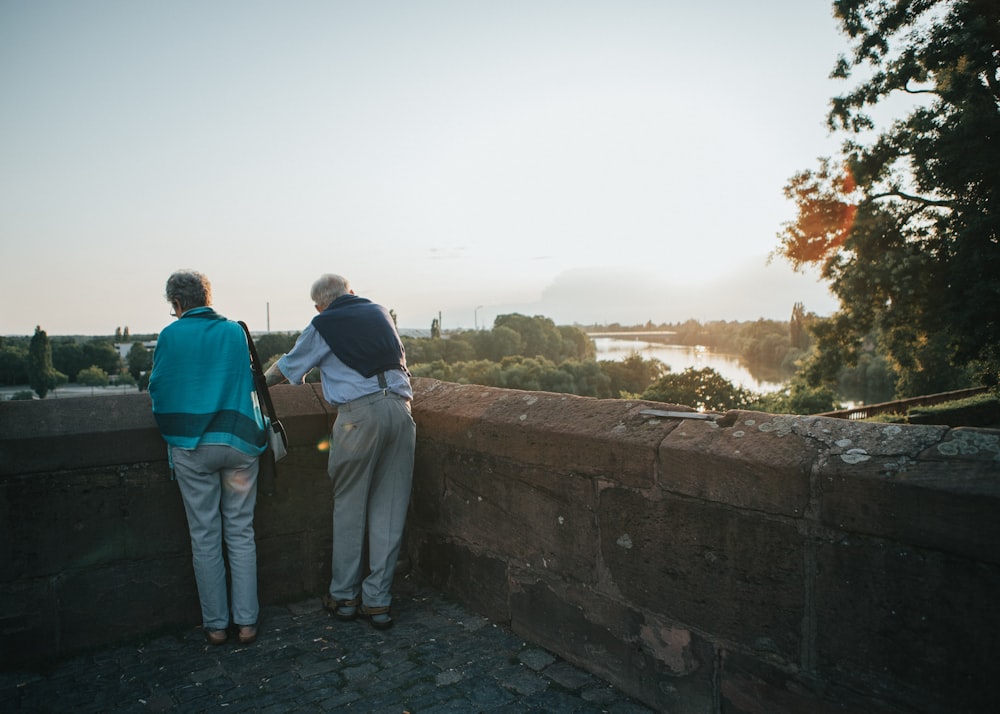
202, 384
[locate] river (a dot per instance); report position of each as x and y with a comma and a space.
680, 357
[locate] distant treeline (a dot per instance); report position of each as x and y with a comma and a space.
532, 353
518, 352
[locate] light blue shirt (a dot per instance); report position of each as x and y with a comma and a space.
341, 384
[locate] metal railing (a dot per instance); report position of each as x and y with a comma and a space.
901, 406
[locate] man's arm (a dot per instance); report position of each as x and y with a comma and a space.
274, 376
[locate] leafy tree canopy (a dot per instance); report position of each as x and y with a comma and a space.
906, 223
13, 364
511, 335
140, 362
42, 376
139, 359
700, 388
93, 376
274, 343
70, 356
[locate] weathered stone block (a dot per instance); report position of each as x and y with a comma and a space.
560, 431
926, 506
966, 445
478, 580
747, 459
495, 505
667, 666
28, 631
751, 685
910, 619
90, 518
428, 481
79, 433
303, 497
292, 566
306, 416
735, 574
132, 595
903, 483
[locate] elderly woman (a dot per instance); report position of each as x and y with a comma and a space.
204, 404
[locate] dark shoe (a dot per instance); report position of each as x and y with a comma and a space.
247, 634
379, 617
216, 637
345, 610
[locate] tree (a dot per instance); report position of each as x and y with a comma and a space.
576, 343
102, 353
42, 376
527, 373
631, 375
457, 349
92, 376
588, 377
140, 362
764, 342
700, 388
481, 371
498, 343
13, 364
811, 400
906, 224
539, 335
798, 337
68, 357
274, 343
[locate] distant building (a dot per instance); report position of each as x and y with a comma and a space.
124, 347
414, 333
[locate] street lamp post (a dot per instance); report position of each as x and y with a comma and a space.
475, 316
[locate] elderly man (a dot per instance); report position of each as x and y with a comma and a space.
362, 367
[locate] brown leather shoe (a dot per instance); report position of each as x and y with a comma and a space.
342, 609
378, 617
216, 637
248, 633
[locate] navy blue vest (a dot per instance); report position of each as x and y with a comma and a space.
362, 335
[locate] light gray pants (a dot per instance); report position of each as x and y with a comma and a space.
371, 466
219, 487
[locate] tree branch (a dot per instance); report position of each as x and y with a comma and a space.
916, 199
906, 88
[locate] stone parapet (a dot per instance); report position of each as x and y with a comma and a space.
750, 563
753, 563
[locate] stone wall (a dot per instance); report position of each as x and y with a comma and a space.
94, 546
754, 563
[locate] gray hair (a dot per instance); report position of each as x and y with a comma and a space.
190, 288
328, 288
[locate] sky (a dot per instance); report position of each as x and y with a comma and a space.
592, 161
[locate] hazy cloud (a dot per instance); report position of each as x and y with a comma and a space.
604, 295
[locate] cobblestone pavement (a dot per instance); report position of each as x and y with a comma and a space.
439, 658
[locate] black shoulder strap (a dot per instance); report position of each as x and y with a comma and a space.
259, 380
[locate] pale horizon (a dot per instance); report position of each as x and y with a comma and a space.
588, 161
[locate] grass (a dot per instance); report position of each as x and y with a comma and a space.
982, 410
